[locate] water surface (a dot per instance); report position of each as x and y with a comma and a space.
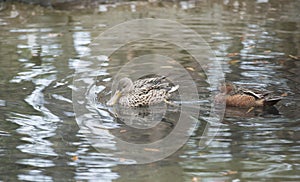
256, 42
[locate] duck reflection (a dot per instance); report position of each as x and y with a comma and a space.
251, 112
145, 124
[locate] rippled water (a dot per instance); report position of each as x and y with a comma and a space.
42, 50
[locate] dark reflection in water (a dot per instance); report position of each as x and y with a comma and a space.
145, 124
257, 43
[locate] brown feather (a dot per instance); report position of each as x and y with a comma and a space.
240, 97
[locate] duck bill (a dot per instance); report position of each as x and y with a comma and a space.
114, 99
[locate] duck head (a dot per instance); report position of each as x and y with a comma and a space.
125, 85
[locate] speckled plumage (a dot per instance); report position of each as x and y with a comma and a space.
241, 97
143, 92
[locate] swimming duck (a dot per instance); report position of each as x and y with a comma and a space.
240, 97
142, 92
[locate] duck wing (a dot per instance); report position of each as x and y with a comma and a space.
154, 83
268, 98
254, 93
149, 82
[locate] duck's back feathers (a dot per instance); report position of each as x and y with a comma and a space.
148, 91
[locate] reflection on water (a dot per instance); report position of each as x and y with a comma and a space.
256, 42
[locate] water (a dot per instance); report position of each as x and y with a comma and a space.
43, 49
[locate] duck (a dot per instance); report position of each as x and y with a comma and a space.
142, 92
236, 96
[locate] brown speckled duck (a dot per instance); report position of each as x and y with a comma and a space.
240, 97
142, 92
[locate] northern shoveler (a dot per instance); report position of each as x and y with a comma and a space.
240, 97
142, 92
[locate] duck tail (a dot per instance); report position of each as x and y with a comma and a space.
173, 89
272, 101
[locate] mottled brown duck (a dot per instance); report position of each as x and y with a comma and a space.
142, 92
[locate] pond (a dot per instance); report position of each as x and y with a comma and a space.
59, 66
